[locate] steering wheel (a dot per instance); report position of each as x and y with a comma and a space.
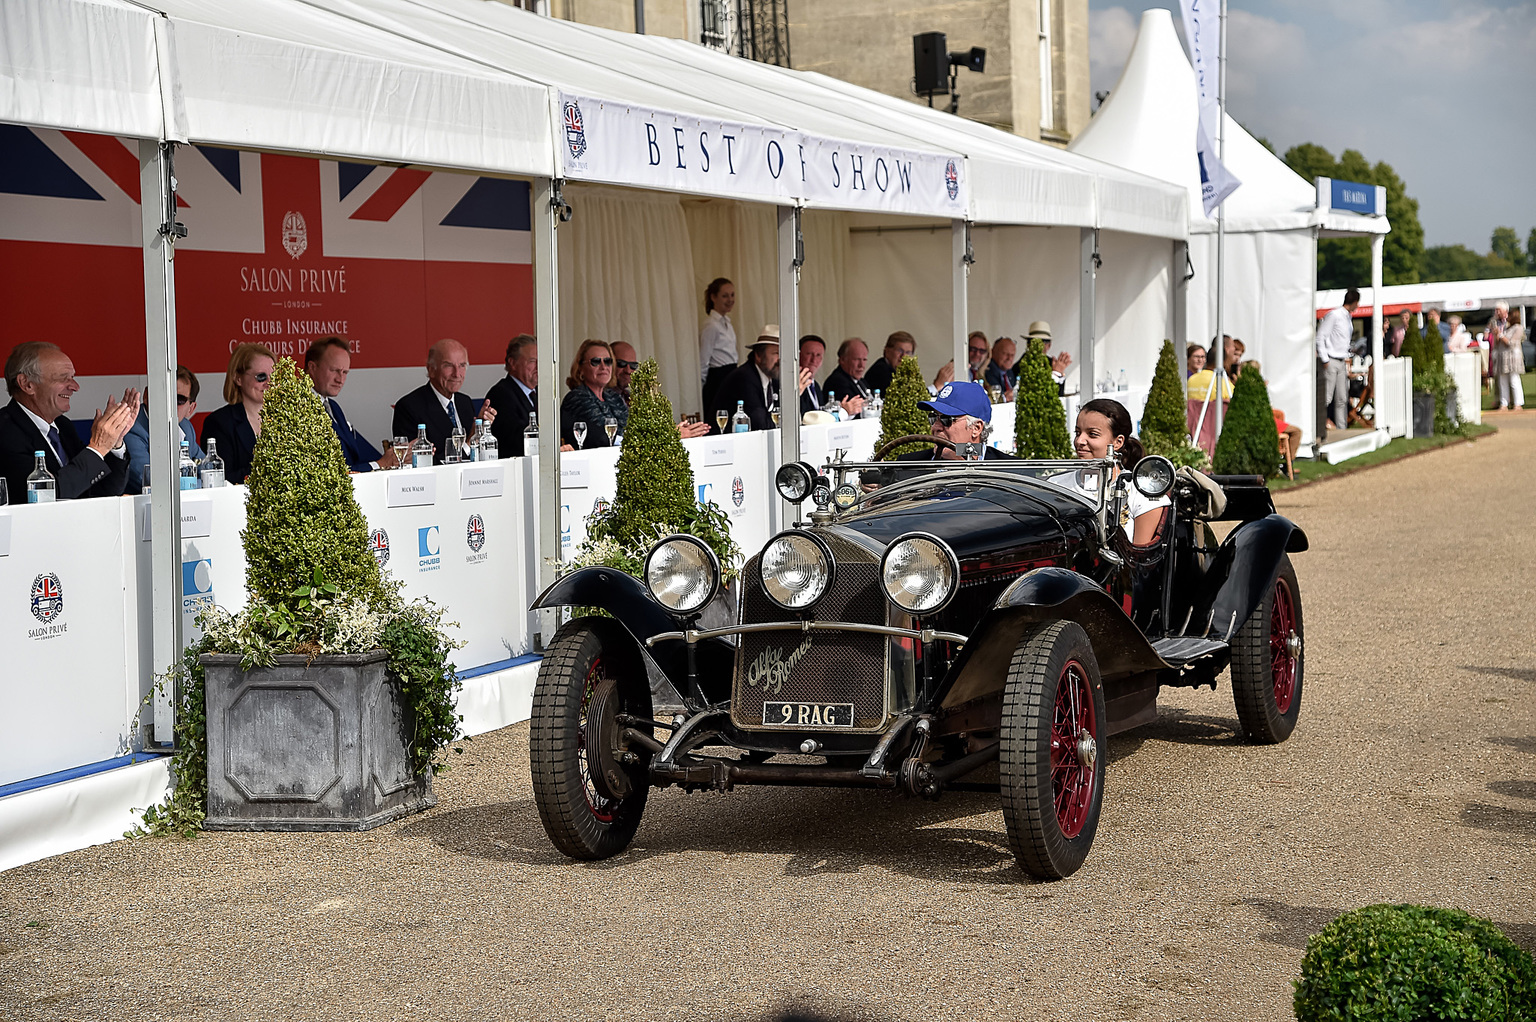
912, 438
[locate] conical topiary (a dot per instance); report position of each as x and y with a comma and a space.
900, 415
1413, 343
300, 512
1249, 443
655, 478
1164, 425
1040, 423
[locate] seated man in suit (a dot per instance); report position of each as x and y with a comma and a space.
812, 395
898, 346
437, 404
1001, 372
328, 361
137, 439
41, 380
847, 380
754, 383
515, 396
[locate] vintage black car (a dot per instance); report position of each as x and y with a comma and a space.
908, 636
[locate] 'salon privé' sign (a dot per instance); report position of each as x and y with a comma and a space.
621, 143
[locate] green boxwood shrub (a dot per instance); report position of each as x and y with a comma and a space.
1039, 422
1164, 423
1249, 443
1403, 963
900, 415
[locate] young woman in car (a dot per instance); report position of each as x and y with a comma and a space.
1103, 425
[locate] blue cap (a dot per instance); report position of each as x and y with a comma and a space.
961, 398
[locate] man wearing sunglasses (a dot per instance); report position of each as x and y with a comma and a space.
137, 438
41, 380
625, 362
437, 404
960, 413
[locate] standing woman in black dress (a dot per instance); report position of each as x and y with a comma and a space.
237, 425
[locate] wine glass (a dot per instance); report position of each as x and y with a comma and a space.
579, 430
402, 447
773, 410
610, 426
721, 418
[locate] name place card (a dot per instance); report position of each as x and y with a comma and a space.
481, 481
411, 489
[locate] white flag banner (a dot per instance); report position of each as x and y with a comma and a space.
1203, 33
620, 143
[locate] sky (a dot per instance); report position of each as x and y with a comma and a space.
1443, 91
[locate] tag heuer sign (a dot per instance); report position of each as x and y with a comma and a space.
295, 234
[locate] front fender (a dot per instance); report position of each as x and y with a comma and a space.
1244, 569
631, 603
1042, 595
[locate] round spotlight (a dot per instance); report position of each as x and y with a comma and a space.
794, 481
682, 573
796, 569
920, 573
1153, 476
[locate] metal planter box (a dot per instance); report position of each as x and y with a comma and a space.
307, 745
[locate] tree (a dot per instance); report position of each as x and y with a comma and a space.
900, 415
1164, 422
1530, 250
1505, 244
300, 512
1040, 423
1250, 443
1346, 262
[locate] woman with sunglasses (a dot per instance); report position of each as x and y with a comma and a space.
591, 399
237, 425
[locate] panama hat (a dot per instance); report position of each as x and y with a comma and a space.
1039, 328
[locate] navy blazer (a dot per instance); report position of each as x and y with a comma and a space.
845, 386
512, 410
137, 442
86, 474
360, 454
746, 386
421, 407
237, 441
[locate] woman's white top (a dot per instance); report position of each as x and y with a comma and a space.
1136, 505
717, 344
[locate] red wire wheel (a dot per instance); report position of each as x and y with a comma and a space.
1269, 662
1051, 751
589, 799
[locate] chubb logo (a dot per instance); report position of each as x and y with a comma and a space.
378, 544
295, 233
47, 598
575, 129
196, 577
474, 533
426, 541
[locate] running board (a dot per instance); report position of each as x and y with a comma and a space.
1182, 650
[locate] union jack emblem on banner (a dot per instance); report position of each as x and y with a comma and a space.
378, 545
575, 130
475, 533
47, 597
952, 179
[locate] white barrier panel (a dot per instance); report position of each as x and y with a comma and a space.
1394, 396
735, 471
64, 636
1466, 369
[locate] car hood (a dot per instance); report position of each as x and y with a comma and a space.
973, 522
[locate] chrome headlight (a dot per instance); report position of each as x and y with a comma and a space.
796, 569
682, 573
920, 573
794, 481
1153, 476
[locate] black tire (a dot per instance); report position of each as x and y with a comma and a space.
1268, 669
1051, 820
590, 807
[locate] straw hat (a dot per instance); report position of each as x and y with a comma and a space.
769, 334
1039, 328
817, 417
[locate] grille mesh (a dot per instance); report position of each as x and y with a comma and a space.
834, 667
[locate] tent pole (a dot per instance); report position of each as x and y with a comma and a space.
960, 273
1088, 251
157, 214
547, 208
1221, 210
1178, 314
791, 256
1378, 353
1319, 400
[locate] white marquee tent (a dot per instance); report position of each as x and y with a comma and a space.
1272, 221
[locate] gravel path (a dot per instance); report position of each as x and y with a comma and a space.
1412, 777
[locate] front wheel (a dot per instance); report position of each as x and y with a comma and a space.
1267, 661
589, 799
1051, 760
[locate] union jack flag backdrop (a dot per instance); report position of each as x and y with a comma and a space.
281, 250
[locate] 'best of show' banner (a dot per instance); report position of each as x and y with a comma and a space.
620, 143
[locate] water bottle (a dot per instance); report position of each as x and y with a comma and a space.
531, 435
40, 484
421, 448
875, 406
472, 444
188, 468
213, 466
1123, 385
832, 408
739, 422
489, 448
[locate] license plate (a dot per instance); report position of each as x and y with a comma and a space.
808, 714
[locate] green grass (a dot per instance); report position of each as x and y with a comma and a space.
1311, 471
1491, 394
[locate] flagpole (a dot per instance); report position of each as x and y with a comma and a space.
1221, 208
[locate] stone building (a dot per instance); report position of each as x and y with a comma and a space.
1036, 78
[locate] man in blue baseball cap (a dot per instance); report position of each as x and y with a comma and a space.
960, 413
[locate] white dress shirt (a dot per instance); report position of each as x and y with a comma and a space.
1334, 334
717, 344
43, 426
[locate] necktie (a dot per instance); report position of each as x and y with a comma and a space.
57, 443
453, 418
815, 395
